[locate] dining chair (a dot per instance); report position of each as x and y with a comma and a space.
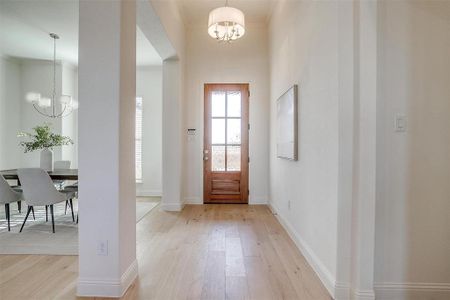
61, 165
38, 190
8, 195
72, 188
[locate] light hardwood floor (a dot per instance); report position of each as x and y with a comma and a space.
205, 252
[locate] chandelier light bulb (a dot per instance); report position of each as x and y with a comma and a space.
33, 97
45, 102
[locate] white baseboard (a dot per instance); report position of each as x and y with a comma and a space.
363, 295
322, 272
258, 200
172, 206
193, 200
341, 291
409, 290
93, 287
148, 193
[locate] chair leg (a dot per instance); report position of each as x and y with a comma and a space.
19, 206
65, 208
53, 218
71, 207
77, 217
32, 210
46, 213
8, 215
26, 217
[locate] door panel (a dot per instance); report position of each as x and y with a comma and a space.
226, 143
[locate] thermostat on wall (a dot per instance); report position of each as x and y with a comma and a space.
191, 131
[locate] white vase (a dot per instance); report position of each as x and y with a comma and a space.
47, 160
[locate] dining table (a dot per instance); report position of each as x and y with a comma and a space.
57, 174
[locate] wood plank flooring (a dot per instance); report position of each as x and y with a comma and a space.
207, 252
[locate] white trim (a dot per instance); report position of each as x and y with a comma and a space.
148, 193
172, 206
427, 286
322, 272
193, 200
257, 200
93, 287
129, 276
401, 290
363, 295
341, 291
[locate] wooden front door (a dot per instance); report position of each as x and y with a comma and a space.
225, 153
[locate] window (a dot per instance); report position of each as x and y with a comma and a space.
138, 157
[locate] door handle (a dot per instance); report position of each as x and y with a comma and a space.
205, 154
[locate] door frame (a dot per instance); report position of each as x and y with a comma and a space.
245, 130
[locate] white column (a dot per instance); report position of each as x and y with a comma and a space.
171, 164
364, 192
346, 145
107, 88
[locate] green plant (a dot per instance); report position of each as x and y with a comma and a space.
43, 138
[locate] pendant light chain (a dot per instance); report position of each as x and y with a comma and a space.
54, 75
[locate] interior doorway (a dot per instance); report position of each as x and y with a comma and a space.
225, 153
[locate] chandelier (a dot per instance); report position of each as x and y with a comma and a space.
226, 24
48, 106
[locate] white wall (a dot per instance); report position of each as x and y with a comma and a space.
166, 32
69, 124
10, 95
304, 50
413, 184
149, 87
244, 61
37, 76
20, 76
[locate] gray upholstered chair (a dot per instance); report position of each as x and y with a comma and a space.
61, 165
72, 188
38, 190
8, 195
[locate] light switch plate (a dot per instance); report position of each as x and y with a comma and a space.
400, 123
102, 248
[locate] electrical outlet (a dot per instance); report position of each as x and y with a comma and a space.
102, 248
289, 204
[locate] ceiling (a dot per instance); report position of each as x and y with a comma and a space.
25, 25
197, 11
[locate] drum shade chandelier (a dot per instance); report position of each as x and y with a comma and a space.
48, 106
226, 24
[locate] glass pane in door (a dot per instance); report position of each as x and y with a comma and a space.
218, 158
233, 158
234, 104
233, 131
218, 131
218, 104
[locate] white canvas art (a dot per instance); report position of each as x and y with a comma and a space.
287, 124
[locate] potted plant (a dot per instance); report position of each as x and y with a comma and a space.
45, 140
